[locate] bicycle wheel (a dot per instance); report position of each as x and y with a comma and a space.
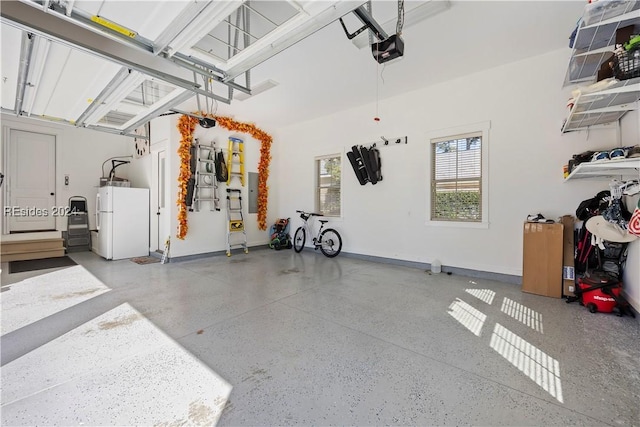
330, 242
299, 239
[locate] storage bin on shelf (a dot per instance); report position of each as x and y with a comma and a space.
626, 64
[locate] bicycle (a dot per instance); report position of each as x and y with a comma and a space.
329, 240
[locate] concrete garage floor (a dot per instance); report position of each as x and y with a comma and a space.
278, 338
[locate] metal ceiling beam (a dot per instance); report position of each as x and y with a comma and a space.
69, 7
37, 65
50, 25
211, 15
314, 17
194, 64
179, 24
157, 110
116, 132
26, 51
192, 16
71, 124
99, 100
365, 17
7, 111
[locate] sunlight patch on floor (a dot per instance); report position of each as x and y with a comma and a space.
485, 295
530, 360
117, 369
468, 316
522, 314
41, 296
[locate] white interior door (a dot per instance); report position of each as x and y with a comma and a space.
161, 197
31, 180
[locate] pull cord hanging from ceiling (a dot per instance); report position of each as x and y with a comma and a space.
369, 8
399, 27
206, 120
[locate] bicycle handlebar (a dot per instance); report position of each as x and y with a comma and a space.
308, 213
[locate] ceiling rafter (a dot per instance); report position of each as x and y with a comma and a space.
133, 50
26, 52
172, 57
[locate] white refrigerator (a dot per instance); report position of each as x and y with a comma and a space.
122, 220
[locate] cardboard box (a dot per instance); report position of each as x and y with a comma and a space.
568, 256
542, 259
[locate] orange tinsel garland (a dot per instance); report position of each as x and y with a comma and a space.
187, 126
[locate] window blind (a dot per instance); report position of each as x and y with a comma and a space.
328, 197
456, 178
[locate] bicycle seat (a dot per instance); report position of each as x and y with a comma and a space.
323, 221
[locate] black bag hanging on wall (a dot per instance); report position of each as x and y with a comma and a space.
221, 167
373, 165
193, 164
366, 164
191, 184
355, 158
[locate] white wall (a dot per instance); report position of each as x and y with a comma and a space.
143, 172
207, 229
525, 104
139, 170
160, 135
630, 129
79, 154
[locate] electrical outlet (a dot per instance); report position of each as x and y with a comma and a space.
571, 289
66, 180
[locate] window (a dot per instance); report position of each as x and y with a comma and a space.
456, 178
328, 173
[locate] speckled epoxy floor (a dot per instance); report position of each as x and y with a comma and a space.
278, 338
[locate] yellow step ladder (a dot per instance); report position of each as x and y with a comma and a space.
235, 160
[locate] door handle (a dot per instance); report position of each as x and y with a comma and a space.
158, 213
98, 211
52, 194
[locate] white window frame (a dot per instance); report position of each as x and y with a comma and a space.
451, 133
317, 182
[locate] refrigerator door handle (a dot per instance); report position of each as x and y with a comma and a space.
98, 211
